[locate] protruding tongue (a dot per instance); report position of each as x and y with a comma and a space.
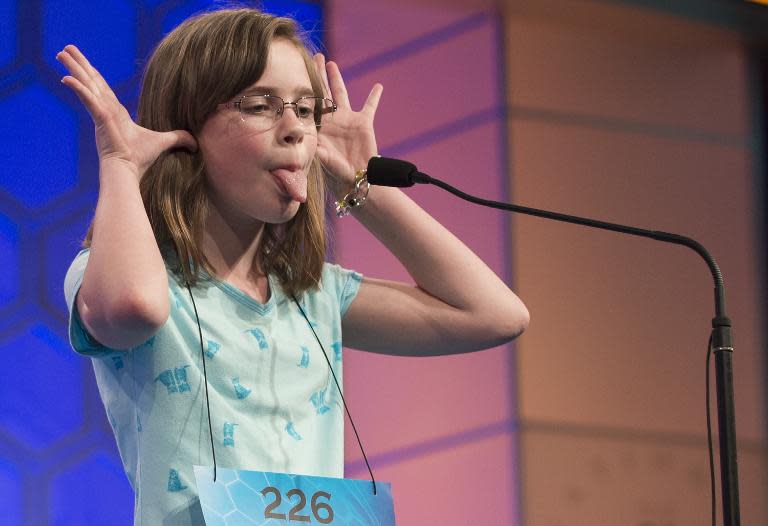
294, 183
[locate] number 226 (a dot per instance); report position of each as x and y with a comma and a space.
322, 511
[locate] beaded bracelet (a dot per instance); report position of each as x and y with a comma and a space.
355, 197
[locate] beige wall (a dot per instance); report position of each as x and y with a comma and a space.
637, 117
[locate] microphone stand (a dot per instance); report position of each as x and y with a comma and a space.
720, 342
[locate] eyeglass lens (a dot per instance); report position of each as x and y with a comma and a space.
264, 110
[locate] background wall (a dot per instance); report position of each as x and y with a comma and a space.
638, 117
58, 460
441, 429
613, 110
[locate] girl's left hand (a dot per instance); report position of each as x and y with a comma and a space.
348, 141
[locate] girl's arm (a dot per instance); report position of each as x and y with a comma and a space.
458, 304
123, 298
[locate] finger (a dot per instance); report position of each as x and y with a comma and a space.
336, 83
85, 96
319, 60
77, 71
101, 85
372, 102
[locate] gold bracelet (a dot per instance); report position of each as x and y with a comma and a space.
355, 197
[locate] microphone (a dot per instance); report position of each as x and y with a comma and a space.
385, 171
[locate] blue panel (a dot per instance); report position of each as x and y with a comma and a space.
74, 501
178, 15
104, 31
7, 31
46, 386
43, 387
39, 158
61, 247
309, 14
9, 261
10, 495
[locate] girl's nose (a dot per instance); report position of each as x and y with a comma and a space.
291, 128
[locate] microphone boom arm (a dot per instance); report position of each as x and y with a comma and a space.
721, 341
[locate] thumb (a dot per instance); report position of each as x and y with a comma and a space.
179, 139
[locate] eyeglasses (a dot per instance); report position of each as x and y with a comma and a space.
261, 112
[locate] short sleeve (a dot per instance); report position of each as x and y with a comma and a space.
79, 338
342, 283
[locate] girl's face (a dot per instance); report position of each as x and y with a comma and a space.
260, 176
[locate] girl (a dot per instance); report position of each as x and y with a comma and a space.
202, 295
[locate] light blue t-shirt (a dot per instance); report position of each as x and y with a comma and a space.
274, 405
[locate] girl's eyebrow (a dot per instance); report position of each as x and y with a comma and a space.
271, 90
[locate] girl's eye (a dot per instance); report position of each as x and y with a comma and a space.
305, 110
255, 108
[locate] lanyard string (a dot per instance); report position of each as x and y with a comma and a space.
205, 376
327, 360
338, 387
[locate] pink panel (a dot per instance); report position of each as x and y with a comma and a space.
457, 392
469, 161
437, 428
360, 31
466, 485
434, 88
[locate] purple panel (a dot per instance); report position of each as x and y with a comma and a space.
39, 387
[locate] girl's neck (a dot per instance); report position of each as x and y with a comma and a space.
231, 244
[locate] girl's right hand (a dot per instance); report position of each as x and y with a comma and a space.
118, 138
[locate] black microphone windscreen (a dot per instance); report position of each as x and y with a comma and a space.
384, 171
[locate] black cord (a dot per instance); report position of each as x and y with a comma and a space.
349, 415
205, 376
327, 360
709, 438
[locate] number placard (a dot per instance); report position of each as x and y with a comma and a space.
266, 498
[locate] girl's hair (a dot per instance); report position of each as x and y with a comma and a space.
205, 61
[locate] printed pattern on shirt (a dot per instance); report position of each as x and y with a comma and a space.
174, 481
285, 375
241, 391
175, 380
229, 434
291, 430
118, 362
212, 348
336, 346
318, 400
259, 335
304, 362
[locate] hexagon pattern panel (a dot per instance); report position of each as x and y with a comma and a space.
55, 442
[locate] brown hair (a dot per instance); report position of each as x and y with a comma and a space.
206, 60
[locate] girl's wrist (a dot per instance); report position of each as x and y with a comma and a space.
117, 167
355, 196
